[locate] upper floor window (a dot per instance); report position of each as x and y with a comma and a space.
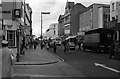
112, 6
117, 5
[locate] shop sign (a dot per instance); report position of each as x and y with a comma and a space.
6, 11
17, 13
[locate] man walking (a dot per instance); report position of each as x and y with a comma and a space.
7, 61
64, 44
54, 46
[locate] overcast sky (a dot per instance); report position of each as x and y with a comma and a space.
55, 7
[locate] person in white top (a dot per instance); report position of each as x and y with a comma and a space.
7, 61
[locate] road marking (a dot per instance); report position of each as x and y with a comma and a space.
102, 65
59, 58
35, 75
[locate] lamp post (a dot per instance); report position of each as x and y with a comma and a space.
41, 26
18, 45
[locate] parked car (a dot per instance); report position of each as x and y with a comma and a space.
71, 42
58, 43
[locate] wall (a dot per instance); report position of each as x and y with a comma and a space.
92, 17
75, 11
52, 27
119, 13
85, 20
61, 25
100, 17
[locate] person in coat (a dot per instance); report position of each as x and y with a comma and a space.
7, 61
65, 45
54, 46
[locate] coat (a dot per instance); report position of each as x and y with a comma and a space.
7, 62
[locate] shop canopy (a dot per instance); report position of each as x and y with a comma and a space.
56, 37
70, 37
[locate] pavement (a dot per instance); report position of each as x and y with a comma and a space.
37, 57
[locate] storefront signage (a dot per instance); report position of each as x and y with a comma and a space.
17, 13
6, 11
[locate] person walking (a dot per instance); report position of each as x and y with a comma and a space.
112, 49
8, 61
54, 46
64, 44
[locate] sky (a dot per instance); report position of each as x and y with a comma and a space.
56, 8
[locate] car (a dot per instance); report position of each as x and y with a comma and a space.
71, 42
71, 45
58, 43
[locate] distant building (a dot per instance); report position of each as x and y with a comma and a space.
52, 30
95, 16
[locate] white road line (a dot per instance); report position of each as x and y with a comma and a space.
35, 75
102, 65
60, 58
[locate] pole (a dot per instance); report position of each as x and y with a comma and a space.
41, 26
41, 30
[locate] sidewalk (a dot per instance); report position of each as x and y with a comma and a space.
37, 57
37, 63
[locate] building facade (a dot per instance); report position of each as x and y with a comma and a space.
1, 31
71, 17
15, 16
52, 31
61, 25
115, 18
114, 9
67, 17
95, 16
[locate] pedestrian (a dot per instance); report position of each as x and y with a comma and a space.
79, 44
117, 49
112, 50
64, 44
8, 61
35, 44
54, 46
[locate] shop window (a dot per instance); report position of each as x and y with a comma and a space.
11, 38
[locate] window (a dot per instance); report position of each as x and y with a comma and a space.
117, 5
112, 6
113, 18
11, 38
116, 17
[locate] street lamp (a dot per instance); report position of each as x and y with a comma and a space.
41, 26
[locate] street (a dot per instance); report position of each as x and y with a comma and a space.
33, 35
90, 64
37, 63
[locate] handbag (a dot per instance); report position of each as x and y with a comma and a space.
12, 58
